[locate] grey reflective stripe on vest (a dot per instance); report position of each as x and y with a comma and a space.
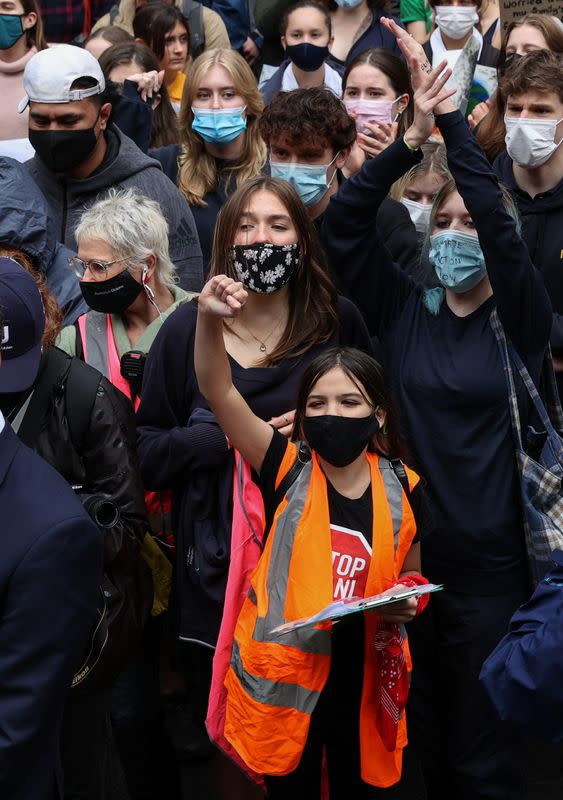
394, 494
307, 640
273, 693
96, 345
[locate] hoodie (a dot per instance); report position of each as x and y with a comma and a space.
123, 167
542, 225
25, 223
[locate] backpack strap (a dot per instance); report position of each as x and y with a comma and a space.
401, 474
193, 12
53, 364
81, 390
303, 457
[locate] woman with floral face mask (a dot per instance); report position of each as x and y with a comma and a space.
265, 238
356, 27
21, 36
306, 38
447, 375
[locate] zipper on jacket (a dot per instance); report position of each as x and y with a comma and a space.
65, 205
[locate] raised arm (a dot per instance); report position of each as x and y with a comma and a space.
223, 297
522, 301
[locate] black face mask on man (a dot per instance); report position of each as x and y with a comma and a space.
61, 151
339, 440
112, 296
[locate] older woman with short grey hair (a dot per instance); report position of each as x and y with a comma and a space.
128, 280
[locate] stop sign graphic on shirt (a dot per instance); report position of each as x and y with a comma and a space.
351, 555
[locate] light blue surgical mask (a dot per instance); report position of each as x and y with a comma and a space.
219, 125
348, 3
457, 259
310, 181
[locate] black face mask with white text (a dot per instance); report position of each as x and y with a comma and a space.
339, 440
112, 296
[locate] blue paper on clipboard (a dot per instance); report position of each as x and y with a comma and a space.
353, 605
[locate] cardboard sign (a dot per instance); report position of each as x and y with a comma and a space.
514, 10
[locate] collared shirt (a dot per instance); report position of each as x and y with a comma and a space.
439, 52
332, 80
2, 422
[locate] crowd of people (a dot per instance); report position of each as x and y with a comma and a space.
281, 331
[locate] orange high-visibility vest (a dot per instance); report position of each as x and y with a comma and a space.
274, 681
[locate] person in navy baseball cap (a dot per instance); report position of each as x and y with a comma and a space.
22, 322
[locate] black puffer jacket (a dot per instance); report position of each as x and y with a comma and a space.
103, 465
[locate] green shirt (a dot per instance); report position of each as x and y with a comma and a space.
414, 10
67, 337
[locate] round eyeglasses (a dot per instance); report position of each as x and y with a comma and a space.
97, 269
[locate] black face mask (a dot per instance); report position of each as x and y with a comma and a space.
112, 296
61, 151
339, 440
307, 57
508, 62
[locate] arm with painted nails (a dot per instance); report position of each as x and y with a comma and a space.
222, 298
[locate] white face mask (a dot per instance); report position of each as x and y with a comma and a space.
456, 21
419, 214
531, 142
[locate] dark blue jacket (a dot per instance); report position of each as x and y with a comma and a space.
50, 569
376, 36
522, 675
25, 223
236, 16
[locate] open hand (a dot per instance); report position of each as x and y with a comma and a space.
222, 297
413, 51
381, 136
250, 51
430, 98
479, 112
148, 83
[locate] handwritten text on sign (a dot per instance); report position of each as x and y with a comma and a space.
514, 10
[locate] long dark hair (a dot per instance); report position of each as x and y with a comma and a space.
369, 378
313, 315
153, 21
165, 129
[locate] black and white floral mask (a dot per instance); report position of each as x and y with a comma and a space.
265, 268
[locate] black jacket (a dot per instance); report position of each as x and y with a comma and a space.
542, 223
103, 465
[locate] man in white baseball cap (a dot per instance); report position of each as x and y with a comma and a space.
79, 154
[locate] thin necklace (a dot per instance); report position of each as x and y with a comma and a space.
261, 342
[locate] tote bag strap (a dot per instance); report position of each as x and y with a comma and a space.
551, 392
512, 397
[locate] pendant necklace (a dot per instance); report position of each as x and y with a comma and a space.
261, 343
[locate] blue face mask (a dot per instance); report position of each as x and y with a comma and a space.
306, 56
11, 29
218, 125
348, 3
457, 259
308, 180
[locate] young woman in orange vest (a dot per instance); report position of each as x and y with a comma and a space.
344, 528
